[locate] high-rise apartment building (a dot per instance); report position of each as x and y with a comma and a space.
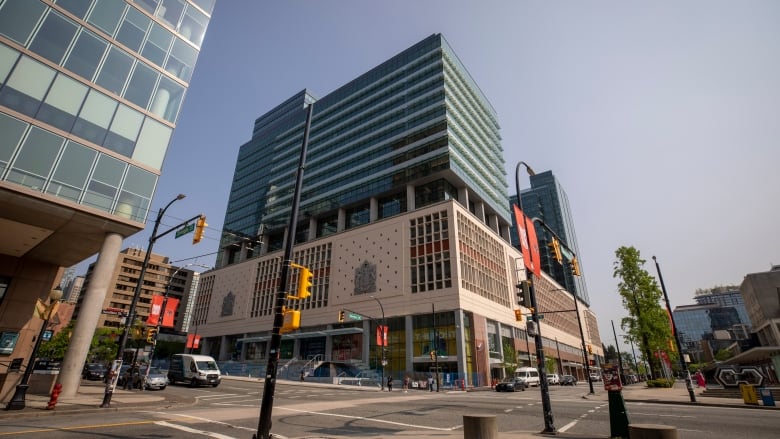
403, 220
547, 200
90, 92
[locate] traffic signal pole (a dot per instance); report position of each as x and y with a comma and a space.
266, 404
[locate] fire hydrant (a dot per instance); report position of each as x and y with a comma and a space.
55, 394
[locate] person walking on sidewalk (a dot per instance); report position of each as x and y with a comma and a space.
390, 383
406, 383
430, 383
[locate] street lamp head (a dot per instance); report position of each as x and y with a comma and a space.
180, 196
55, 294
528, 169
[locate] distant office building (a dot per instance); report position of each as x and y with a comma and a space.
90, 92
547, 201
72, 290
760, 292
403, 220
161, 278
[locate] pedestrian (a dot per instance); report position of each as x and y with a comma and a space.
303, 375
390, 383
700, 381
406, 383
430, 383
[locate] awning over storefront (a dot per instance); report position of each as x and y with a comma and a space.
310, 334
754, 355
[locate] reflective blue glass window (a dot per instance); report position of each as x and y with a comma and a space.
86, 54
182, 60
18, 19
71, 171
141, 85
26, 86
114, 71
193, 26
124, 130
157, 44
78, 8
206, 5
133, 29
148, 5
63, 102
11, 131
136, 194
33, 164
53, 37
152, 143
94, 118
103, 184
167, 99
171, 11
8, 58
106, 15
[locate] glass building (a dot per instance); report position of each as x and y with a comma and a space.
547, 201
416, 121
90, 92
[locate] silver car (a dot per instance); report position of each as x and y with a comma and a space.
155, 379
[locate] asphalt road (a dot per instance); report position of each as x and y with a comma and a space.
232, 411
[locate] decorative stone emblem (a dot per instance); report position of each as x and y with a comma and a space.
227, 304
365, 278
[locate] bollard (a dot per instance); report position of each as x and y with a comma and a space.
55, 395
651, 431
480, 427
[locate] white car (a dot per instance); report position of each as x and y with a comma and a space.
553, 378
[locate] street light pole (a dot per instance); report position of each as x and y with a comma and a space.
683, 368
136, 294
549, 426
584, 347
382, 346
17, 402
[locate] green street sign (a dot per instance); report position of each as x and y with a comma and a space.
529, 318
354, 316
184, 230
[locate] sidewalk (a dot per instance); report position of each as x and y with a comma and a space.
89, 398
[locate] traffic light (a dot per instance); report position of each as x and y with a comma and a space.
524, 293
305, 279
575, 266
555, 250
519, 315
341, 316
590, 349
433, 355
292, 320
150, 333
200, 226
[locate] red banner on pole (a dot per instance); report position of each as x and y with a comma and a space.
170, 312
526, 234
196, 342
381, 335
190, 340
155, 310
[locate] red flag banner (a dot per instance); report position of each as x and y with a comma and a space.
536, 265
170, 312
381, 335
155, 310
190, 341
196, 342
526, 234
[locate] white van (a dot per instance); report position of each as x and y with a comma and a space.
196, 370
529, 375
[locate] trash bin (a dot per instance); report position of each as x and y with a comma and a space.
766, 396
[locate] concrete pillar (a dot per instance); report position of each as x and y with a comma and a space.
312, 228
480, 427
373, 209
223, 349
460, 343
329, 346
367, 342
92, 306
463, 196
409, 341
410, 205
342, 220
479, 210
493, 223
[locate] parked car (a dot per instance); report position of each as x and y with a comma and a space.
595, 377
529, 375
568, 380
93, 372
511, 385
553, 378
156, 379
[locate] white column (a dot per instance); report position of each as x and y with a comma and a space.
89, 314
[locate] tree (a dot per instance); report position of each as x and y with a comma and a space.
610, 353
647, 325
511, 362
549, 364
55, 347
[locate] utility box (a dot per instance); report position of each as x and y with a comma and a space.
749, 394
766, 396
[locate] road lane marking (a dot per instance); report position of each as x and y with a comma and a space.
568, 426
79, 427
382, 421
193, 430
200, 419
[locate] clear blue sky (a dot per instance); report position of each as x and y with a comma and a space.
660, 118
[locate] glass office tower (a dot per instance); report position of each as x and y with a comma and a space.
413, 131
90, 92
547, 201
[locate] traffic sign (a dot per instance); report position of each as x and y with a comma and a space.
355, 316
115, 312
529, 318
184, 230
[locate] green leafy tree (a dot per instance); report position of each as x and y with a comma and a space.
549, 364
647, 325
56, 346
102, 348
511, 362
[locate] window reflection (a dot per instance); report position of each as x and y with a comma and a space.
106, 14
33, 164
62, 103
133, 29
92, 123
18, 19
86, 54
27, 86
115, 70
54, 36
71, 172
